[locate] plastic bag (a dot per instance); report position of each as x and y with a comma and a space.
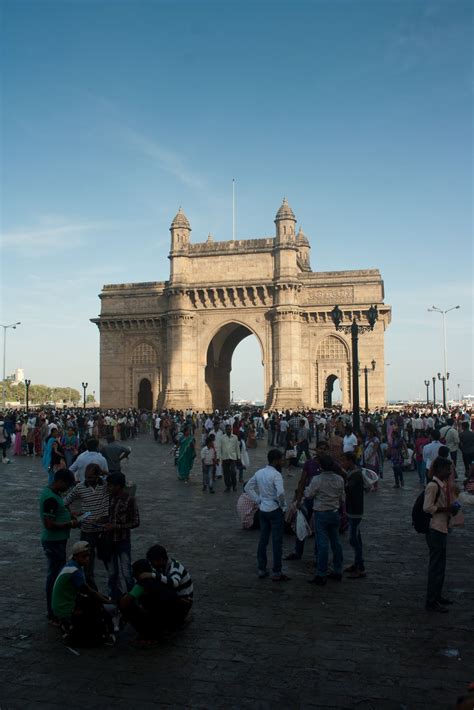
302, 528
370, 478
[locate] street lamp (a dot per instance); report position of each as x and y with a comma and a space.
443, 380
434, 391
435, 309
84, 387
354, 329
27, 385
5, 327
366, 373
459, 396
427, 385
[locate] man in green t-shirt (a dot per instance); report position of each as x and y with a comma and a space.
79, 608
57, 523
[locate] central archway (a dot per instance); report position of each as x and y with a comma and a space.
219, 363
145, 395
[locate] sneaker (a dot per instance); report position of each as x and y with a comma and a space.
211, 490
396, 486
317, 579
436, 607
357, 574
336, 576
351, 568
262, 573
281, 578
5, 460
292, 556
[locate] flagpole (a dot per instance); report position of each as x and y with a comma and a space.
233, 209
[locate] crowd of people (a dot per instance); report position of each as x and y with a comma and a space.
82, 452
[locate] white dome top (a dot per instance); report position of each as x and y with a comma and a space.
285, 211
181, 220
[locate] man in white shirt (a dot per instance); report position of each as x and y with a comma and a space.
349, 441
451, 437
228, 451
92, 455
267, 490
430, 451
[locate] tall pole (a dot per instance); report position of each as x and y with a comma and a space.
427, 385
366, 373
233, 209
27, 386
84, 387
434, 391
4, 386
355, 376
445, 352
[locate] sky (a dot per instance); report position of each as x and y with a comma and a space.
114, 114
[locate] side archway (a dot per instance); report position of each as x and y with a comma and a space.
332, 364
145, 394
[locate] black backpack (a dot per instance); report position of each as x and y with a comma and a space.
419, 519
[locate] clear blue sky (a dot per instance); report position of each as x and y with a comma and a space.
116, 113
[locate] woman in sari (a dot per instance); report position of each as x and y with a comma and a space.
372, 454
186, 456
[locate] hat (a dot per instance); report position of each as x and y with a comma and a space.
79, 547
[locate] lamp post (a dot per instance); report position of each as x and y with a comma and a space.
27, 386
354, 329
84, 387
435, 309
434, 391
5, 327
443, 379
427, 385
459, 396
366, 373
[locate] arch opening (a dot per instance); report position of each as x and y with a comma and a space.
219, 365
145, 395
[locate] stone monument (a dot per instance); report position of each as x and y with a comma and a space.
170, 343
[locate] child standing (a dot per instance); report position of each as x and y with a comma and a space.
208, 458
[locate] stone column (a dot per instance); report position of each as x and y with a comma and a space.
180, 356
286, 338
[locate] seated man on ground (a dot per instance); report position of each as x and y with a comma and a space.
78, 607
161, 597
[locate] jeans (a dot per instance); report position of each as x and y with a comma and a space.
55, 551
230, 477
91, 538
454, 457
120, 566
207, 471
421, 468
326, 525
355, 541
437, 542
398, 473
270, 522
467, 460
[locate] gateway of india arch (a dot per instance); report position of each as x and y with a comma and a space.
170, 343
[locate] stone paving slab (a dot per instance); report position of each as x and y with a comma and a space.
252, 643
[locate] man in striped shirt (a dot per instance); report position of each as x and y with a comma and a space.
93, 498
161, 597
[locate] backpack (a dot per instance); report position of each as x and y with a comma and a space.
419, 519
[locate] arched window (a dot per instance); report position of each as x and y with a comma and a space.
331, 348
144, 354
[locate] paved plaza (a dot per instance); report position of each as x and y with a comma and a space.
252, 643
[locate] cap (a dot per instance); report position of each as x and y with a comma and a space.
79, 547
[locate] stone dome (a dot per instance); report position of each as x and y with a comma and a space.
285, 211
181, 220
301, 238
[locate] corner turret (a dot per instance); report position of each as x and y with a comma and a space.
285, 222
180, 232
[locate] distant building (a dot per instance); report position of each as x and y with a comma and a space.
16, 377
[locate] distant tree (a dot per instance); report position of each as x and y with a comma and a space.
90, 398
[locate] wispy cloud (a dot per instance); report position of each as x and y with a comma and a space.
52, 232
168, 160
